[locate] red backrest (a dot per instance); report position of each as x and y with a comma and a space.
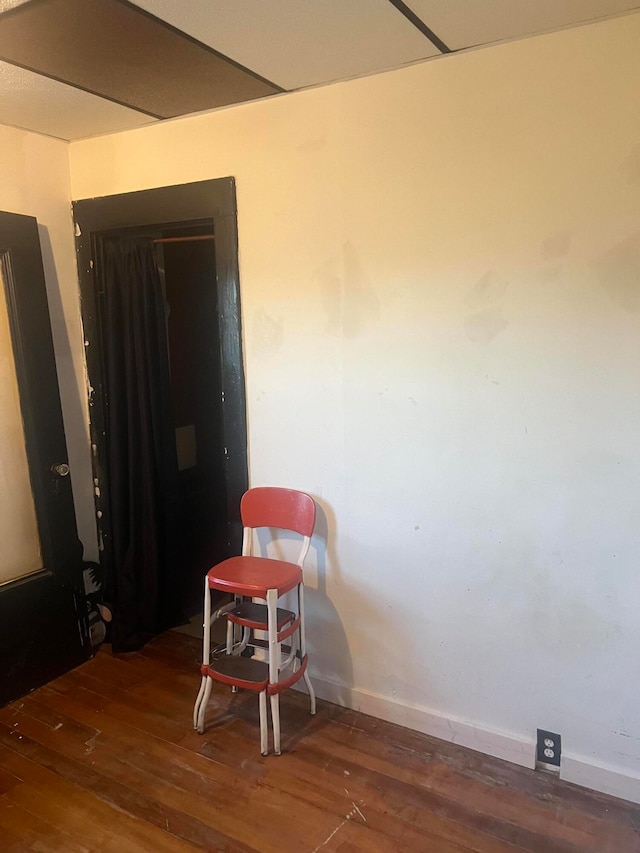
285, 509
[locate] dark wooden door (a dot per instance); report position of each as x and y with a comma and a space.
42, 610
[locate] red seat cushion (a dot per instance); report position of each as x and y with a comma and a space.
254, 576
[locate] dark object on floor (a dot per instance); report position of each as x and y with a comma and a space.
97, 628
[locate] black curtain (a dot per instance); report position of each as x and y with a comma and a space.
141, 469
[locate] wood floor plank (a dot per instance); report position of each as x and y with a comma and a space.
533, 822
55, 729
104, 801
21, 830
243, 811
303, 783
386, 806
424, 787
7, 781
105, 758
85, 822
130, 706
477, 765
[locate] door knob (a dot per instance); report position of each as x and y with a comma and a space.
61, 469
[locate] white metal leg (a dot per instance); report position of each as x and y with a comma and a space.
202, 699
312, 693
206, 624
274, 664
203, 705
201, 702
264, 732
275, 720
231, 640
230, 637
196, 707
272, 631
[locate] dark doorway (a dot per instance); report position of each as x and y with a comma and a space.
187, 261
193, 228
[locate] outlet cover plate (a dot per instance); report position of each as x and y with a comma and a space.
549, 748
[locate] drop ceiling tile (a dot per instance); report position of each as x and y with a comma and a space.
297, 43
33, 102
115, 50
464, 23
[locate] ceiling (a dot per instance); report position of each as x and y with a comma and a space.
78, 68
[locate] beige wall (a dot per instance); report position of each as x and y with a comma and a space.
35, 182
440, 285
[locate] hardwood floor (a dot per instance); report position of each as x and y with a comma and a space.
104, 758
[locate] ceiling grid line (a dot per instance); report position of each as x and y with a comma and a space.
417, 22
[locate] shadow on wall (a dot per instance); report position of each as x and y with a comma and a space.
617, 271
326, 638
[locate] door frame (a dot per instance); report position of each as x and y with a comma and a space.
43, 617
168, 207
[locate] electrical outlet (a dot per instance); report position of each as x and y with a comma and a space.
549, 748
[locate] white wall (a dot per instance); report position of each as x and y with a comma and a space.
35, 182
440, 285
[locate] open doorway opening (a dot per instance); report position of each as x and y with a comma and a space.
187, 263
193, 232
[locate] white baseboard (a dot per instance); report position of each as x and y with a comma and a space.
608, 780
421, 719
520, 751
